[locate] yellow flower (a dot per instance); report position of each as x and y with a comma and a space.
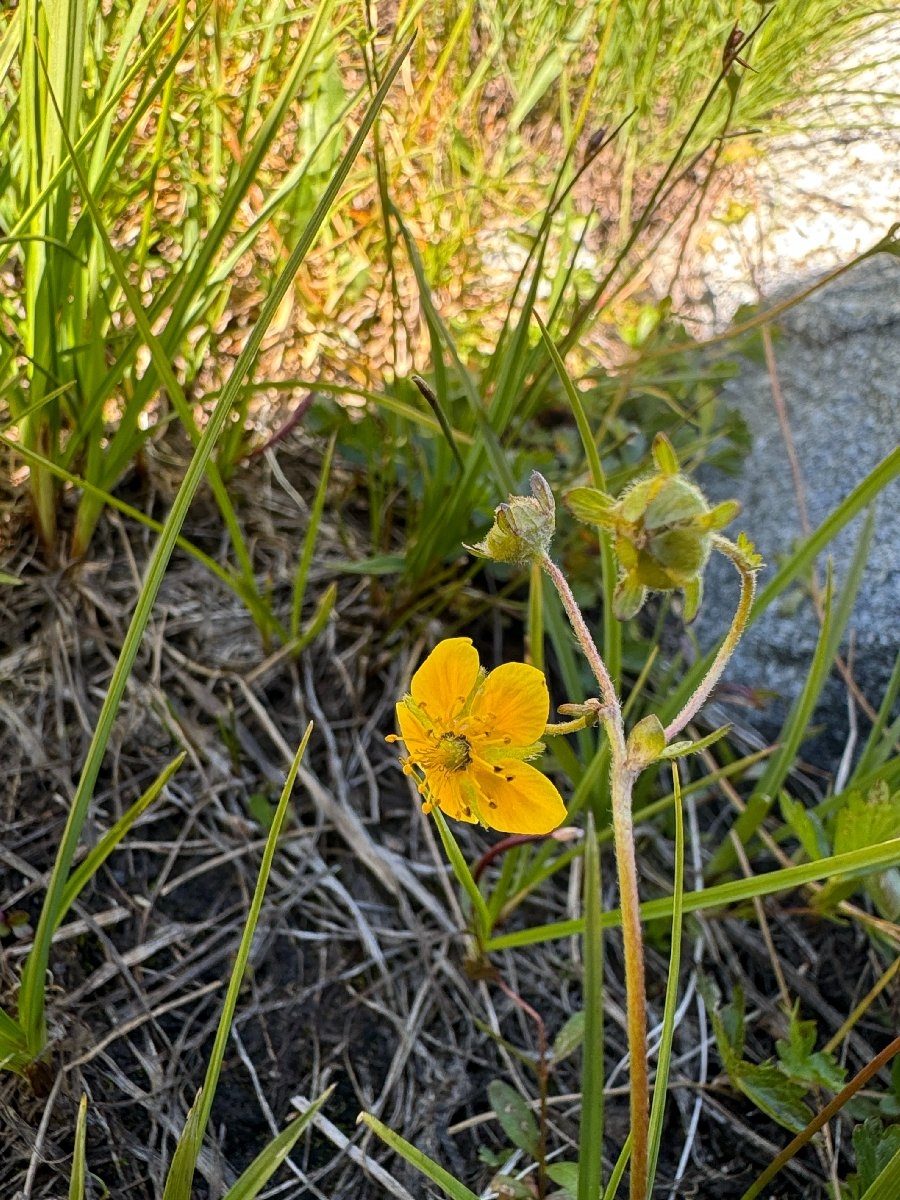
468, 734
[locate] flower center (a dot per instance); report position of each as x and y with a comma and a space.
453, 752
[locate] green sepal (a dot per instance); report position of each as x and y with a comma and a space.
720, 516
676, 502
628, 600
664, 455
523, 527
646, 742
693, 594
591, 506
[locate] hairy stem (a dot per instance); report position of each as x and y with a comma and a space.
622, 779
739, 621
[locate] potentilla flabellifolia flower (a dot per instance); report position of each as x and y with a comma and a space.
468, 735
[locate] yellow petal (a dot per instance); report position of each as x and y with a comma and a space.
443, 683
514, 797
417, 738
453, 794
514, 705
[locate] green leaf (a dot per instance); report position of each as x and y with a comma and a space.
564, 1175
179, 1179
732, 1016
720, 516
95, 858
570, 1037
867, 820
269, 1159
590, 1166
805, 826
628, 600
680, 749
875, 1145
887, 1185
727, 1023
664, 455
773, 1093
515, 1117
261, 809
735, 891
429, 1168
670, 1008
79, 1165
801, 1063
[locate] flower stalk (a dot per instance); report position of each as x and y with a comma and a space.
622, 777
469, 735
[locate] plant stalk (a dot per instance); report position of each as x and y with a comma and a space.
738, 624
622, 778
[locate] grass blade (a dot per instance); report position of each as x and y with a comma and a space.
309, 542
429, 1168
612, 629
98, 855
661, 1082
857, 863
270, 1159
193, 1131
79, 1164
590, 1157
796, 726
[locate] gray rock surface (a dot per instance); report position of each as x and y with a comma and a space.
838, 361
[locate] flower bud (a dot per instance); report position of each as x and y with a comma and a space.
662, 532
523, 526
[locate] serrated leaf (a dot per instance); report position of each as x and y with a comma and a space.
753, 560
800, 1062
570, 1037
875, 1145
773, 1093
867, 820
515, 1117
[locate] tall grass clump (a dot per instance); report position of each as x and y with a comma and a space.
143, 222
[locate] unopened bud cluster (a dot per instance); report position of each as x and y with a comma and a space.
662, 528
523, 527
